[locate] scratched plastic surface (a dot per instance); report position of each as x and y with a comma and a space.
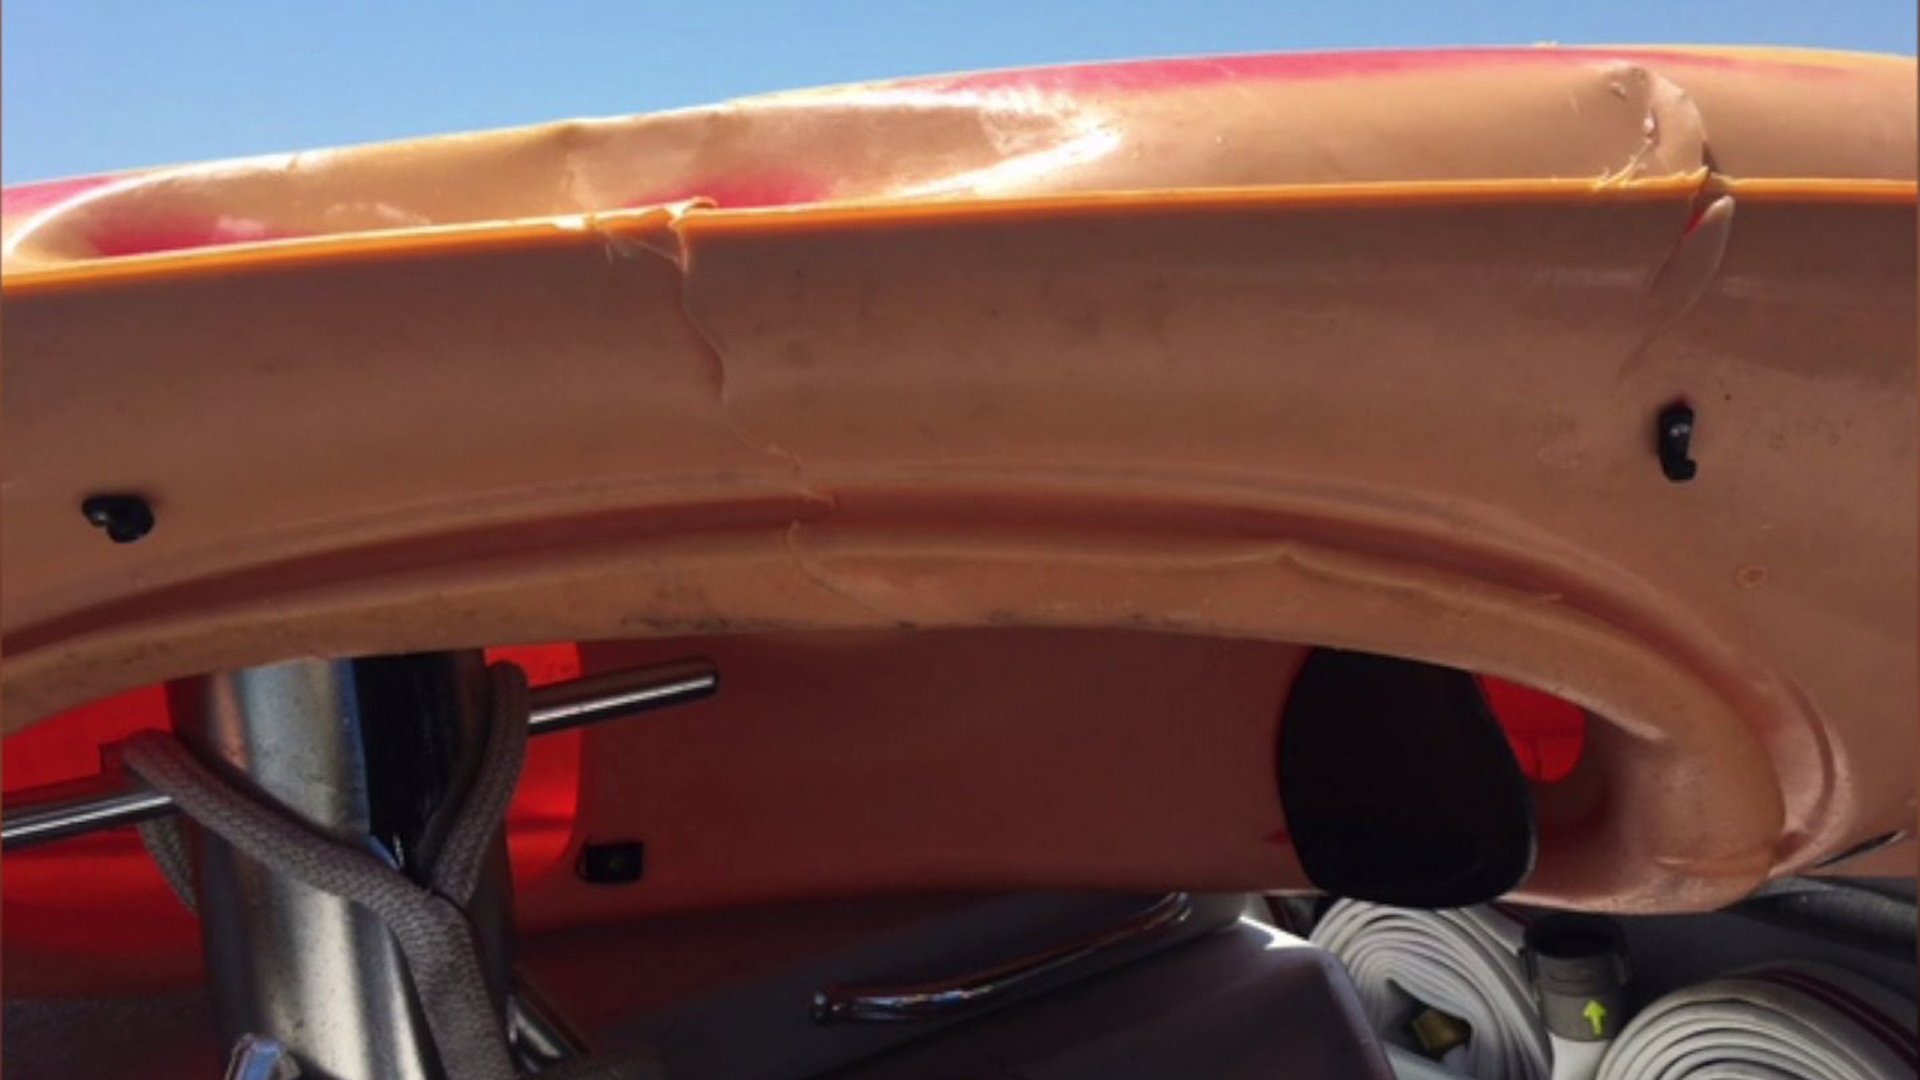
1357, 350
1597, 116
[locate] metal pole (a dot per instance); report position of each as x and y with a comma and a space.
56, 812
366, 751
617, 694
111, 799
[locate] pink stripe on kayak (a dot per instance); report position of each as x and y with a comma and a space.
27, 198
1199, 71
147, 237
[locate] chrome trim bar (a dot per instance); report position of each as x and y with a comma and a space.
958, 995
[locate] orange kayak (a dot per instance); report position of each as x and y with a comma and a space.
1009, 441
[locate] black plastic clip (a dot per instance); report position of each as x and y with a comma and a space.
621, 862
1672, 439
125, 518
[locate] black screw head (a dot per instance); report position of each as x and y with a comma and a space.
125, 518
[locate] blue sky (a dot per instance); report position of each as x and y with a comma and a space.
93, 85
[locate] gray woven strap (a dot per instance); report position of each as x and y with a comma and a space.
430, 924
166, 841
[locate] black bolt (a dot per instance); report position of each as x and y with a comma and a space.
1672, 438
126, 518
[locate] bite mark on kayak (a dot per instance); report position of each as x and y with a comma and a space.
1695, 261
1676, 142
1672, 135
824, 579
1678, 283
661, 235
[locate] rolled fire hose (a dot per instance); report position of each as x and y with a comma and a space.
1791, 1021
1786, 1021
1463, 961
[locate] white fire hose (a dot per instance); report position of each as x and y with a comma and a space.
1784, 1021
1464, 962
1792, 1021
